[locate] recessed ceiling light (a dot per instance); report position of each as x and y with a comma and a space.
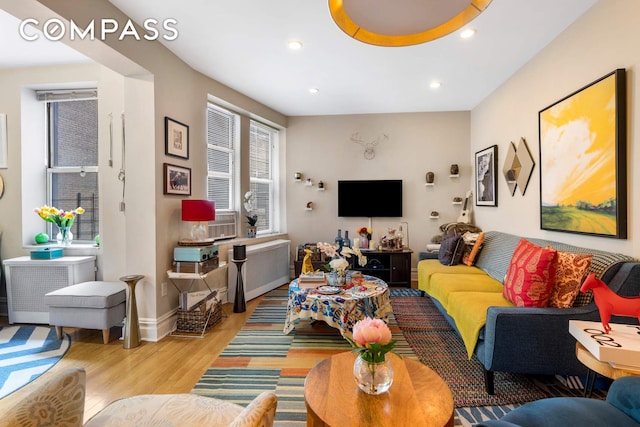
295, 44
469, 32
435, 85
314, 90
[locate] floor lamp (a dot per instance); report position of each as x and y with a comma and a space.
239, 258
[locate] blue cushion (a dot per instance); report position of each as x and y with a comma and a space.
624, 394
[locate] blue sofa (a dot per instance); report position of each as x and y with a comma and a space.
522, 339
621, 409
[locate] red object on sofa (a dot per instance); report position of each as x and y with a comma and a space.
531, 275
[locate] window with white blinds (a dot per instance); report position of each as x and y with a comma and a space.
262, 146
222, 136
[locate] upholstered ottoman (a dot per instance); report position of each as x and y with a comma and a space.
89, 305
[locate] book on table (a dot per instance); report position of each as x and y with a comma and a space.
620, 347
312, 280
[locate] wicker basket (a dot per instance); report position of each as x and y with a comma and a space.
199, 319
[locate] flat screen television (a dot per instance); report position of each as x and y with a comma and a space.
370, 198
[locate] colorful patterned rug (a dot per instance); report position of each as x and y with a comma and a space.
26, 352
262, 358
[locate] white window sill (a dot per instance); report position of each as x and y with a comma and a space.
76, 249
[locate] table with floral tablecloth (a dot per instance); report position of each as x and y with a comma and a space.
365, 296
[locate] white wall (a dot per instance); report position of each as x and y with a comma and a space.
320, 148
604, 39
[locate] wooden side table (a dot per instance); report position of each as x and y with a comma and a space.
595, 367
417, 397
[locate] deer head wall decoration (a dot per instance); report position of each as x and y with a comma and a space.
369, 152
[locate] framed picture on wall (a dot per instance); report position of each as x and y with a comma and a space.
177, 180
176, 138
485, 178
583, 162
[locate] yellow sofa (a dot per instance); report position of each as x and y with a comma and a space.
506, 338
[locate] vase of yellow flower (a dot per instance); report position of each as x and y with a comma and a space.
62, 219
372, 370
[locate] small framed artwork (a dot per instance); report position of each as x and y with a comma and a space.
176, 138
486, 183
177, 180
4, 162
583, 160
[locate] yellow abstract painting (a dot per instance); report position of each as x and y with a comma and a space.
580, 160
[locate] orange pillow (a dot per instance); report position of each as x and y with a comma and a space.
470, 253
531, 275
571, 270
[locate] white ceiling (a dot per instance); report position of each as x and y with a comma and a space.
243, 44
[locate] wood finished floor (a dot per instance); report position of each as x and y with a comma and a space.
172, 365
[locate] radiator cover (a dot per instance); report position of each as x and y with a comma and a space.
28, 280
266, 268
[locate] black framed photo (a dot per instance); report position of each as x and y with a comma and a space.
486, 182
177, 180
583, 160
176, 138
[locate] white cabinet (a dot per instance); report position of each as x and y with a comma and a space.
28, 280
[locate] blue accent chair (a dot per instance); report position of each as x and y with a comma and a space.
621, 409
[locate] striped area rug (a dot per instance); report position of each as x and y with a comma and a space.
262, 358
26, 352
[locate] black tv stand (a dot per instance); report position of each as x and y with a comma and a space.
394, 267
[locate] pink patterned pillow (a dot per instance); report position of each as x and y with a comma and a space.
571, 270
530, 276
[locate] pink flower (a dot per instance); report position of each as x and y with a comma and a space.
371, 331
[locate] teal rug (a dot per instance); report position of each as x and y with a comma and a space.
26, 352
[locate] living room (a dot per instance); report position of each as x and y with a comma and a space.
150, 83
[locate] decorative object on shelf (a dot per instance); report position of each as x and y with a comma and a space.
41, 238
199, 213
486, 183
430, 177
373, 26
239, 258
177, 180
176, 138
583, 147
465, 212
297, 176
391, 241
457, 200
454, 170
320, 185
64, 221
308, 182
346, 241
338, 241
309, 206
1, 186
131, 327
369, 147
372, 340
365, 234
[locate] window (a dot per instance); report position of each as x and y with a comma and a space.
72, 157
222, 134
262, 149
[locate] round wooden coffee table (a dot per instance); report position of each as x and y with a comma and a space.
417, 397
595, 366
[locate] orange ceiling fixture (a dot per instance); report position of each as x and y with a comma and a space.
403, 22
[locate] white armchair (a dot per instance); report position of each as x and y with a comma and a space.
60, 402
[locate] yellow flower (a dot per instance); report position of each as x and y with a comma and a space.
80, 211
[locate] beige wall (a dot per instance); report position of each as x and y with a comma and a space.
320, 148
604, 39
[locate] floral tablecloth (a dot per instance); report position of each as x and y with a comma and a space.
365, 297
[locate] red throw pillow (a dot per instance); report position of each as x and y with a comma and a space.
531, 275
571, 270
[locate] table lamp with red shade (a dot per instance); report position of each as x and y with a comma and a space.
199, 213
